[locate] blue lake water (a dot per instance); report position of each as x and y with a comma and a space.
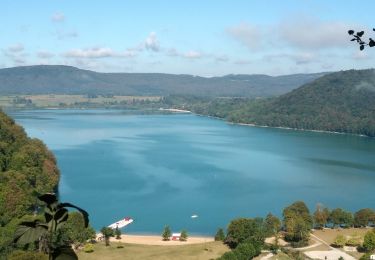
162, 169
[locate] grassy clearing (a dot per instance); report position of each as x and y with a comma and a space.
210, 250
329, 235
45, 101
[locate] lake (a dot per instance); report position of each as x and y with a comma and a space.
162, 169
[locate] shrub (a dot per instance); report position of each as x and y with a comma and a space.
220, 236
184, 235
27, 255
354, 241
228, 256
369, 241
340, 241
166, 233
245, 251
88, 248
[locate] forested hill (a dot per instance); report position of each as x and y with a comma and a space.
27, 168
340, 102
56, 79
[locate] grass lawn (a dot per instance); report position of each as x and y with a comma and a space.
329, 235
210, 250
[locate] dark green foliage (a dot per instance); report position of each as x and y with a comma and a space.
118, 233
297, 223
272, 225
69, 80
364, 217
49, 233
27, 169
184, 235
76, 231
245, 251
228, 256
220, 236
321, 216
245, 229
369, 241
340, 217
339, 102
27, 255
107, 233
166, 233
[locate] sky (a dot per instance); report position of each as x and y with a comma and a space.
206, 38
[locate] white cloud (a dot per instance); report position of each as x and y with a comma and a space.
58, 17
16, 48
313, 33
246, 34
151, 43
192, 55
242, 62
90, 53
45, 54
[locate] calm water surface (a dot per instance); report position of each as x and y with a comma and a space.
161, 169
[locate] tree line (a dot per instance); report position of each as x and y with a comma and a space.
246, 236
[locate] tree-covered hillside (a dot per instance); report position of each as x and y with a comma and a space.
27, 168
340, 102
44, 79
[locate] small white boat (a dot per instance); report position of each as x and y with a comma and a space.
194, 216
121, 223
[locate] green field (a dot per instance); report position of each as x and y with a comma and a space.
211, 250
72, 101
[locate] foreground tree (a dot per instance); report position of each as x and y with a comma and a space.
364, 217
245, 229
272, 225
118, 233
369, 241
166, 233
220, 236
341, 218
107, 234
321, 216
297, 223
184, 235
77, 232
50, 233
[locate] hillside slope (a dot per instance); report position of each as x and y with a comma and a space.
340, 102
27, 168
56, 79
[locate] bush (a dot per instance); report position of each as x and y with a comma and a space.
166, 233
27, 255
340, 241
353, 241
88, 248
228, 256
301, 243
184, 235
245, 251
369, 241
220, 236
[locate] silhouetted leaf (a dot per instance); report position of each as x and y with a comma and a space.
350, 32
353, 39
360, 34
371, 43
83, 212
65, 253
48, 198
361, 47
28, 232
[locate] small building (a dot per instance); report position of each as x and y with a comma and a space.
176, 236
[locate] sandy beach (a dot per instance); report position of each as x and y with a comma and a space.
157, 240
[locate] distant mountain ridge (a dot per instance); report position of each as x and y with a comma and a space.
59, 79
340, 102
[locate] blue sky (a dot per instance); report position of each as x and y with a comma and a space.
207, 38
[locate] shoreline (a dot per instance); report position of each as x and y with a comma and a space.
182, 111
157, 240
